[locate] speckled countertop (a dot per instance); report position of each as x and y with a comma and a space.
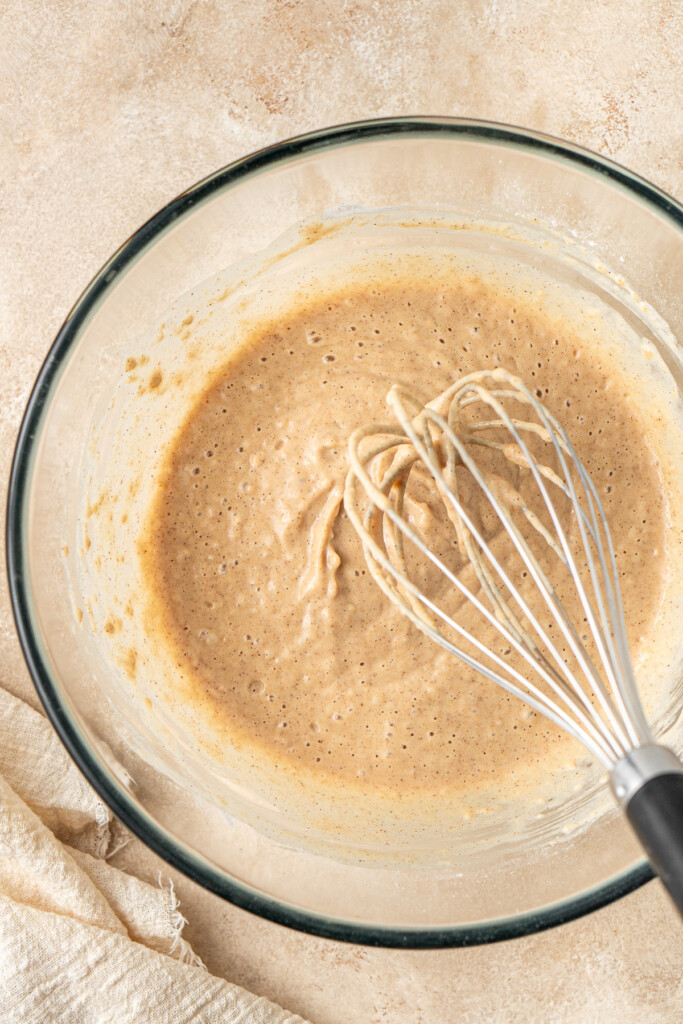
109, 109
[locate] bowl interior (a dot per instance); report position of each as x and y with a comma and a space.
508, 194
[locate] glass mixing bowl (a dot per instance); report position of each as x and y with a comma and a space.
479, 172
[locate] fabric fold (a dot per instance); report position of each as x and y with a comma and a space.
82, 942
37, 767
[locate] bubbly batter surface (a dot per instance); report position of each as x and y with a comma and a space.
258, 581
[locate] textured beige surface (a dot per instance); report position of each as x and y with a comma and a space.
107, 110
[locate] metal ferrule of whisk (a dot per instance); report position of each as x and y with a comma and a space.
580, 676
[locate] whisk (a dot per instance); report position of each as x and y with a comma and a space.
578, 674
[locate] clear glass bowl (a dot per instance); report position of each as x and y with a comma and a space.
481, 171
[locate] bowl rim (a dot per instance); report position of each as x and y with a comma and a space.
103, 780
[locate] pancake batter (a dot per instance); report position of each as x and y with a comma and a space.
258, 582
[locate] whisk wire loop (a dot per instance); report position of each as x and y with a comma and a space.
603, 713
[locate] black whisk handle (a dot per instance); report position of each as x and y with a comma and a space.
653, 804
656, 816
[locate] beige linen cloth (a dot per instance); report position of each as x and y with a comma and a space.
80, 941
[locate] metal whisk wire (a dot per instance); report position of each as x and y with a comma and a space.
433, 437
